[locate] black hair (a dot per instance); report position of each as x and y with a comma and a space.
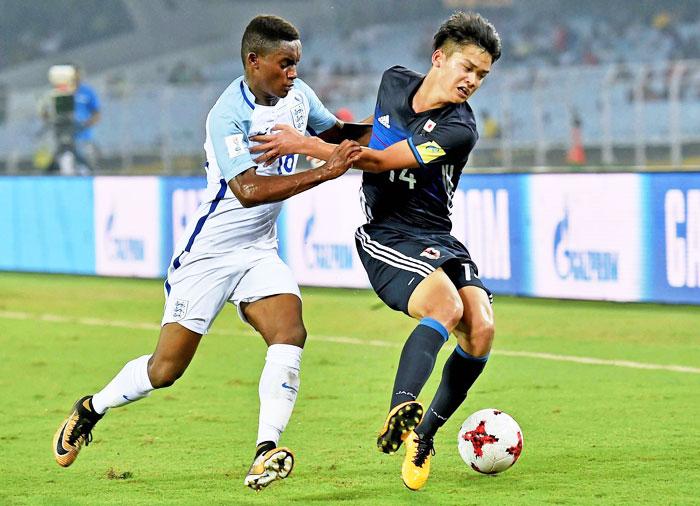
264, 33
468, 28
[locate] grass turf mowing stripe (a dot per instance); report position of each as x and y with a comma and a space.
17, 315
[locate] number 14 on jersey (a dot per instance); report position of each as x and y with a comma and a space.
404, 175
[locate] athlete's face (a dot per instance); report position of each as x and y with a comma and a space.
272, 76
462, 72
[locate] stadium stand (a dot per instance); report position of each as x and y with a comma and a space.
611, 68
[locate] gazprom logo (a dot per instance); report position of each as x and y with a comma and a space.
324, 255
682, 233
581, 264
122, 249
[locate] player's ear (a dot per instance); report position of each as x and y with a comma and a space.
253, 60
438, 58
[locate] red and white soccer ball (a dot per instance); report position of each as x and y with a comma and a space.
490, 441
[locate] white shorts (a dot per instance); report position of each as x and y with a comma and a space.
196, 291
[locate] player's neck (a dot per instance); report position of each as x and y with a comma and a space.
261, 98
428, 95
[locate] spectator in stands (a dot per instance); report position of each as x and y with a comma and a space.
576, 154
344, 114
492, 130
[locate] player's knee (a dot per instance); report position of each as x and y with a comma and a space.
447, 311
293, 334
163, 375
481, 337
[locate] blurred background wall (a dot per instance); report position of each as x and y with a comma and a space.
608, 84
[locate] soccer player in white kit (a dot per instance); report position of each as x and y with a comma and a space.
229, 251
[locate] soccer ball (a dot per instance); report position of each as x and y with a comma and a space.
490, 441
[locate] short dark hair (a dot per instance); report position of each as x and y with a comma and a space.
468, 28
264, 33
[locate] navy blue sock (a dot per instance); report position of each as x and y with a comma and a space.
417, 360
458, 375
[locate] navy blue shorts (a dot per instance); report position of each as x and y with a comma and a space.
397, 260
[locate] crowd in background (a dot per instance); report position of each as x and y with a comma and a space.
48, 28
570, 36
630, 49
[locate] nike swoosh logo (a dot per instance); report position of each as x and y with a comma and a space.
289, 387
59, 444
126, 398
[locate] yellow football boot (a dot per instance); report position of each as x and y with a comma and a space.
416, 463
75, 431
401, 420
269, 466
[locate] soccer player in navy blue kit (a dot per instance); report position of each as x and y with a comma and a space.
423, 132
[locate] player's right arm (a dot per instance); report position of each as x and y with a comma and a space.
231, 149
286, 140
252, 189
360, 132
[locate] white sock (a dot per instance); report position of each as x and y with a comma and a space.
279, 384
131, 384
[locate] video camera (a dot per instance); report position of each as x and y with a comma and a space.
64, 80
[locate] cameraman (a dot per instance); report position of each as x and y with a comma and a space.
72, 111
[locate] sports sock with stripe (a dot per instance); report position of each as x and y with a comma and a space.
417, 360
279, 384
129, 385
459, 374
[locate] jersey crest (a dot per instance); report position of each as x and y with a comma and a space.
299, 117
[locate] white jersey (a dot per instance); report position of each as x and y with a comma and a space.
221, 223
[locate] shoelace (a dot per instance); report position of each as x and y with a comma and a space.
83, 427
425, 448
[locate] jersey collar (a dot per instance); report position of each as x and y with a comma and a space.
247, 94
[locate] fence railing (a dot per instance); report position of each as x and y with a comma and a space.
604, 116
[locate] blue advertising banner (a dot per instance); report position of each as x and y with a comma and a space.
180, 197
625, 237
585, 239
490, 217
672, 226
47, 224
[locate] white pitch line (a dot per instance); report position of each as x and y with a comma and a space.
97, 322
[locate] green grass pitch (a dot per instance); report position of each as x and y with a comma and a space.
594, 433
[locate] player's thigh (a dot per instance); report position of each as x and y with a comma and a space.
475, 331
268, 298
393, 263
437, 297
198, 288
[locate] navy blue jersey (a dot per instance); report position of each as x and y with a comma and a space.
441, 140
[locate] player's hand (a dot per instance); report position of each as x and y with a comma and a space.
282, 140
342, 158
314, 162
